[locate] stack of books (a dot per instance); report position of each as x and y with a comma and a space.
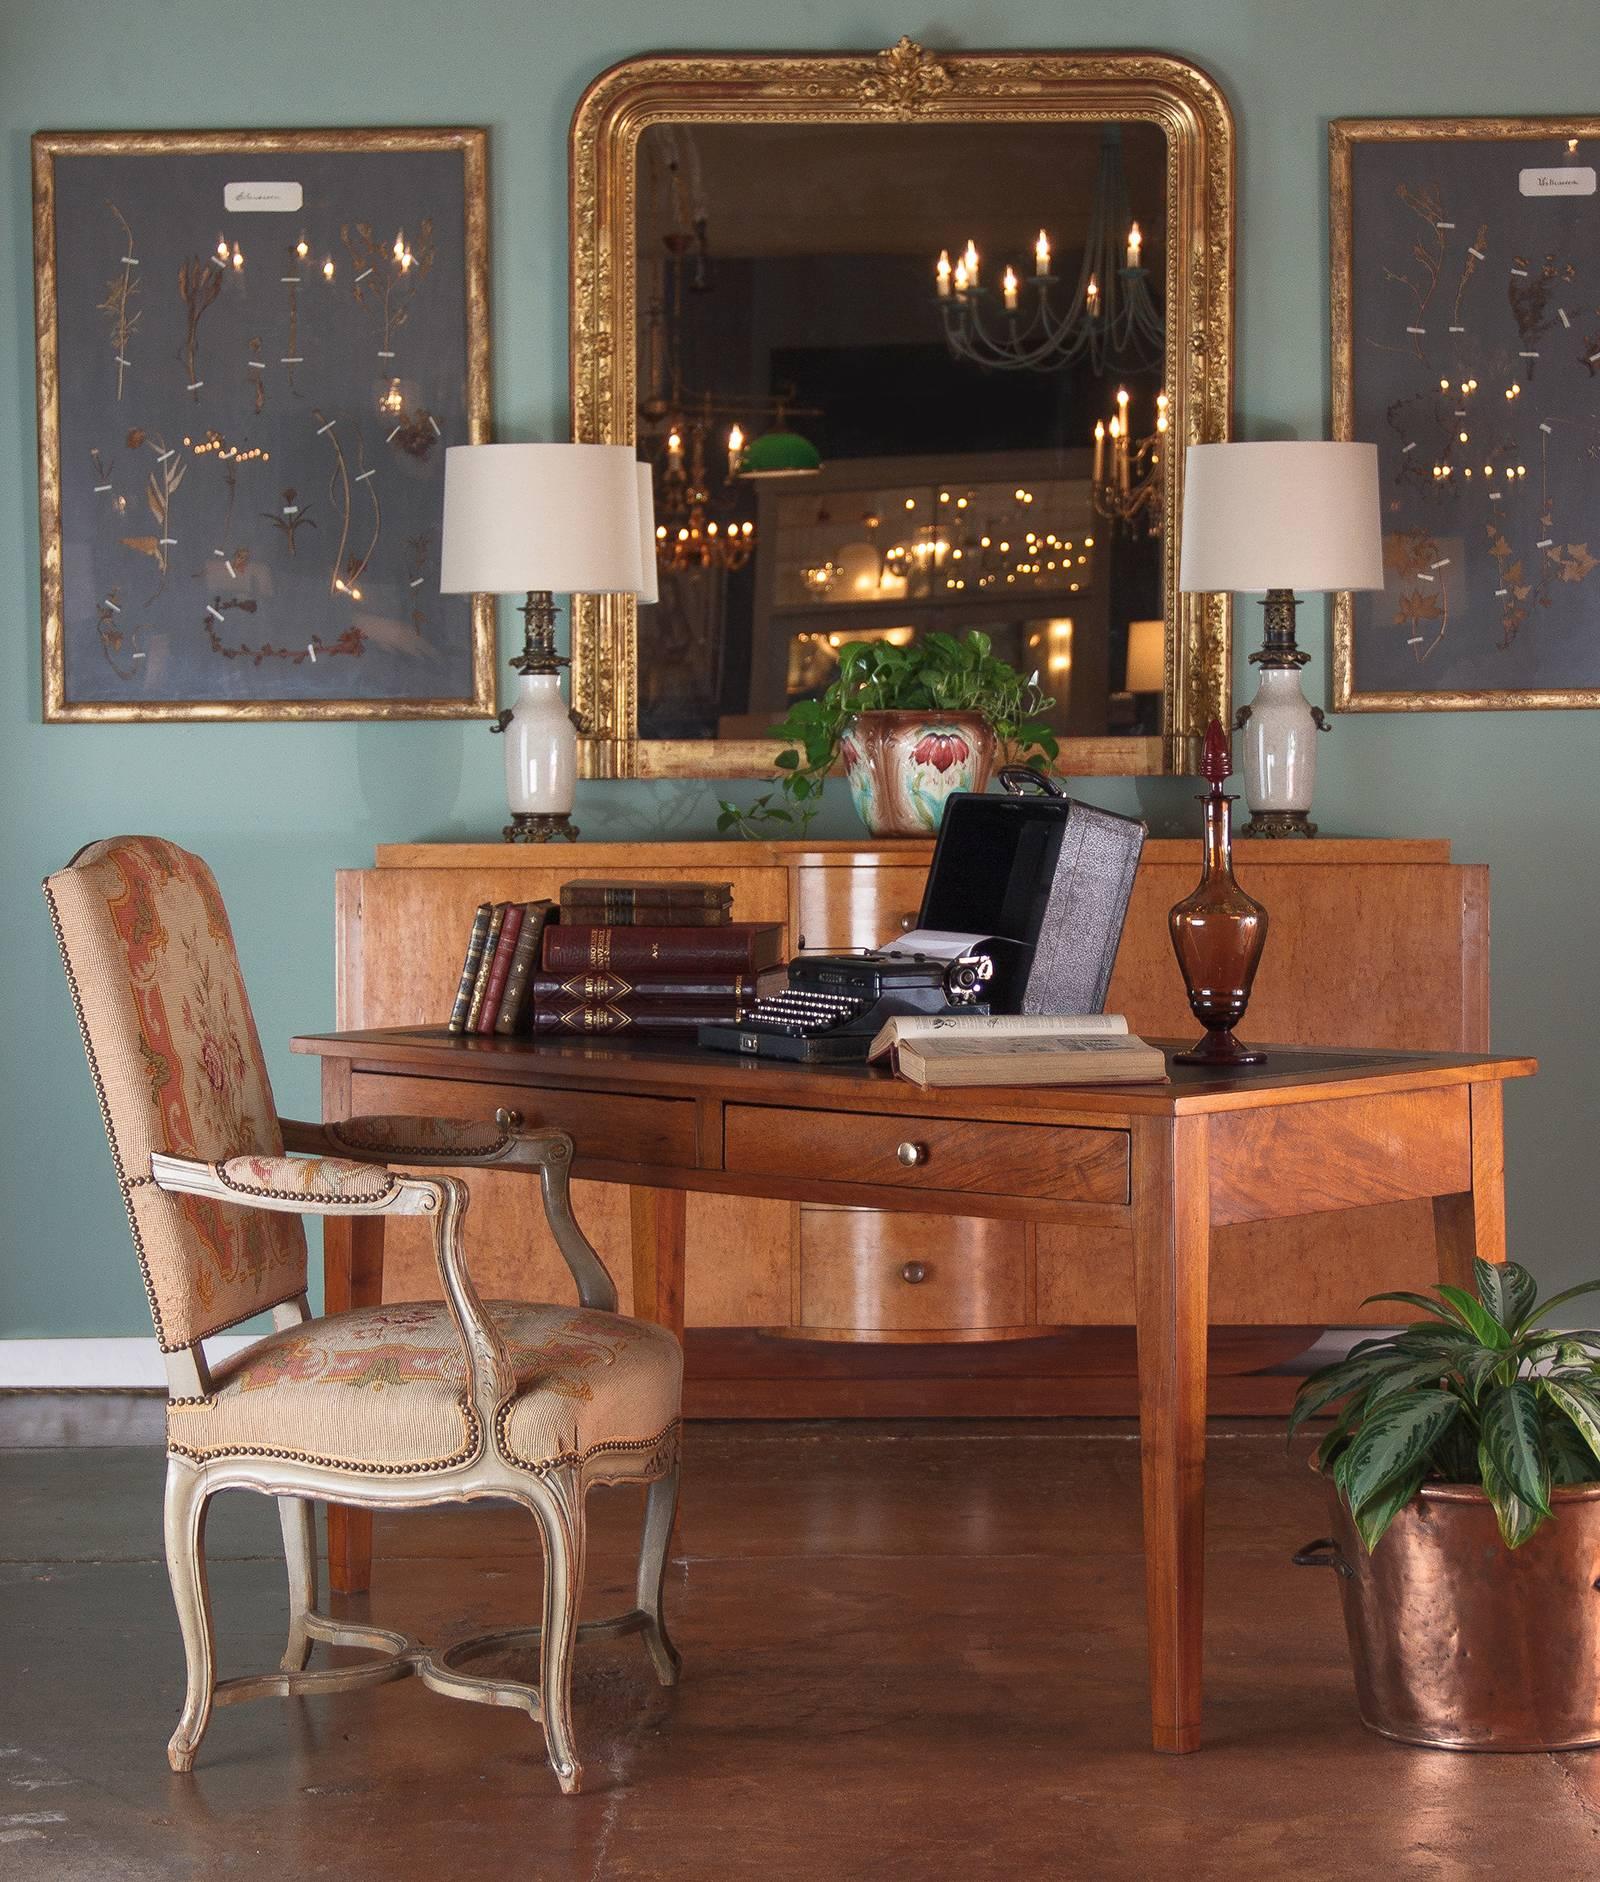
503, 954
648, 957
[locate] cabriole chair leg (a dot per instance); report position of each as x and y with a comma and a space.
561, 1526
185, 1525
660, 1512
298, 1516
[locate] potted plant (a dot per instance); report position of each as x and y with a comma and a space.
910, 725
1463, 1472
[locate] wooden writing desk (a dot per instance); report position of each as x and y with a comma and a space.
1308, 1132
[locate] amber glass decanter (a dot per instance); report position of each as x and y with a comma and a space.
1218, 932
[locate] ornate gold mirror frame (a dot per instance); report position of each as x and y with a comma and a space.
905, 84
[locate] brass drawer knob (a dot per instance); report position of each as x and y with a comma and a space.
911, 1154
508, 1120
913, 1272
908, 921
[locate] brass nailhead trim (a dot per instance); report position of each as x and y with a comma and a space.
563, 1459
302, 1195
472, 1451
406, 1153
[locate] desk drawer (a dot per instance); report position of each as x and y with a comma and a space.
1063, 1164
604, 1127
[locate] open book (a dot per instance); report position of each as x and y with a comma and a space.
1008, 1049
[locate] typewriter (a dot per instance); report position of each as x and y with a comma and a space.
835, 1004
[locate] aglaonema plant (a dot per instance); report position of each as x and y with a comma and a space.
1480, 1391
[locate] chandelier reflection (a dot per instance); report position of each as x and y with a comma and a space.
1111, 318
1129, 487
688, 536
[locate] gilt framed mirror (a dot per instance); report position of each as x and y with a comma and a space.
912, 341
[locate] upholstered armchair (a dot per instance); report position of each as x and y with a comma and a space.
390, 1407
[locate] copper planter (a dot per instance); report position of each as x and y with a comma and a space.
1463, 1643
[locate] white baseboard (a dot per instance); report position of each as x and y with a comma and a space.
96, 1365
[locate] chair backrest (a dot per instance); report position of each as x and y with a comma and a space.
177, 1067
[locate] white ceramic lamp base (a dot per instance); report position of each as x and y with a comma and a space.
541, 762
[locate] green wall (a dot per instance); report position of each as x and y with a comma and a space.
277, 809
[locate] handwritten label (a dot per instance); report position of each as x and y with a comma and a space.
257, 198
1570, 180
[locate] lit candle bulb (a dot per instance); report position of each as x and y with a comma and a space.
1041, 254
327, 269
971, 259
301, 248
961, 277
1135, 244
1161, 411
1008, 287
238, 258
399, 249
1100, 450
1092, 295
1122, 406
941, 274
222, 248
675, 450
735, 449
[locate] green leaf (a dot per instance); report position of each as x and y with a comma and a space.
1422, 1372
1506, 1289
1581, 1406
1411, 1300
1560, 1300
1352, 1374
787, 760
1394, 1441
1377, 1514
1509, 1421
1517, 1520
1476, 1317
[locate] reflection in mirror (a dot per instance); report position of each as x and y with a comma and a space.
896, 378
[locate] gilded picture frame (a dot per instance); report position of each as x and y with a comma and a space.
253, 350
907, 83
1483, 401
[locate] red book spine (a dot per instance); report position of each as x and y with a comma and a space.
739, 948
505, 947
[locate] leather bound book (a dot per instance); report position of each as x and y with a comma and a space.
741, 947
524, 967
695, 904
602, 1016
632, 915
470, 966
500, 967
480, 986
637, 990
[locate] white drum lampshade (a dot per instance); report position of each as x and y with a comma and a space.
541, 520
1272, 518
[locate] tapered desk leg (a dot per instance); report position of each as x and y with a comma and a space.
352, 1276
656, 1219
1171, 1257
1474, 1223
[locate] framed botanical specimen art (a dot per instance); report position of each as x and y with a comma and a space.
253, 350
1466, 345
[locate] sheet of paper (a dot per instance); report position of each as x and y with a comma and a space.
936, 943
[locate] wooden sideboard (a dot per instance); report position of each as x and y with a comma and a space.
1372, 943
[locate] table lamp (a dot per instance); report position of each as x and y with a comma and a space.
542, 520
1273, 518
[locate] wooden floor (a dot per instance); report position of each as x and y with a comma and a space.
910, 1652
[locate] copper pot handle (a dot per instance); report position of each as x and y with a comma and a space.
1323, 1553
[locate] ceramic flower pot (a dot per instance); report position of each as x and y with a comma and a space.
903, 765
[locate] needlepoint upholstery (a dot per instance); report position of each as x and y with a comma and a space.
383, 1389
177, 1068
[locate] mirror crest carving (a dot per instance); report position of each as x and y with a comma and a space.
1144, 95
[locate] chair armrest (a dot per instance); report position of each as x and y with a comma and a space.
298, 1185
344, 1186
460, 1143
